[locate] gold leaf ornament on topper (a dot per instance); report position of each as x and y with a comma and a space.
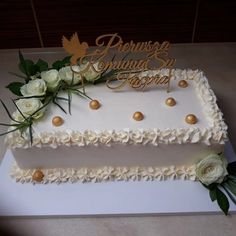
74, 48
129, 68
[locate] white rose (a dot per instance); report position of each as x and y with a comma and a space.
211, 169
36, 87
66, 74
30, 105
92, 73
17, 116
51, 78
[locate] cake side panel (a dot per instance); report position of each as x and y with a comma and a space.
115, 155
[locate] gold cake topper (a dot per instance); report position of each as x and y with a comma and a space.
129, 60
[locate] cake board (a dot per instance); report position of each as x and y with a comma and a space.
103, 199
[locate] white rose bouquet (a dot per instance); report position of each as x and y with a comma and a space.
43, 85
219, 178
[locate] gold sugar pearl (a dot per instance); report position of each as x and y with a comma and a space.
138, 116
38, 176
170, 102
94, 104
191, 119
183, 83
57, 121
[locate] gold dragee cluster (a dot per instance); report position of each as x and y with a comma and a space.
138, 116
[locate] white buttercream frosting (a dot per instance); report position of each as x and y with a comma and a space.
106, 173
217, 133
107, 138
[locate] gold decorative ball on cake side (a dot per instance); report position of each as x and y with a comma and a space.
138, 116
57, 121
191, 119
170, 102
94, 104
38, 176
183, 83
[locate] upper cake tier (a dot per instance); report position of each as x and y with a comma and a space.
113, 122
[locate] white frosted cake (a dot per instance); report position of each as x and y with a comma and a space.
108, 144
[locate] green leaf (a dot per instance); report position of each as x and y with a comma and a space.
56, 103
69, 101
232, 177
41, 97
212, 193
27, 66
61, 98
23, 66
105, 76
66, 60
231, 168
8, 125
31, 135
57, 65
210, 186
33, 69
10, 131
30, 69
14, 87
231, 185
229, 194
82, 94
222, 201
42, 65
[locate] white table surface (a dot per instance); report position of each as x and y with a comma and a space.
119, 198
218, 62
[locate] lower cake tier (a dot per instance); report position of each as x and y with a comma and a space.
118, 162
115, 155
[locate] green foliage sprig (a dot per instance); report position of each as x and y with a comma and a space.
225, 186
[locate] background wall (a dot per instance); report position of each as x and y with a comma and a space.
41, 23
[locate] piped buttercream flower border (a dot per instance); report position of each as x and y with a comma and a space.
108, 138
104, 174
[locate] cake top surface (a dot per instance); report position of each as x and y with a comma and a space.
113, 121
117, 109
